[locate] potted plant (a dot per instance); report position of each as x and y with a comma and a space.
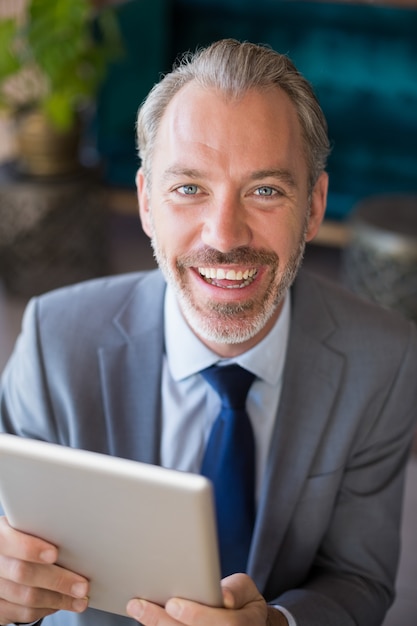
53, 59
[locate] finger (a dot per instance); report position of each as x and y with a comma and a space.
17, 614
36, 598
149, 614
47, 577
19, 604
26, 547
14, 614
189, 613
238, 591
243, 605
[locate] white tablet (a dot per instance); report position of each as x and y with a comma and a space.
133, 529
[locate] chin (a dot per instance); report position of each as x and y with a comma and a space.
225, 327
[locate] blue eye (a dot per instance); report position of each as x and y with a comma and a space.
265, 191
188, 190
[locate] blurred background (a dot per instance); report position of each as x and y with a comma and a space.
72, 76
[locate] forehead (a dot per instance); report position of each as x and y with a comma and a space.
204, 122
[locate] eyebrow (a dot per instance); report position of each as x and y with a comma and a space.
281, 174
187, 172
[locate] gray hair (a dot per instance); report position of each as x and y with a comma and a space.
233, 68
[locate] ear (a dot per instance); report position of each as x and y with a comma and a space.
143, 200
318, 205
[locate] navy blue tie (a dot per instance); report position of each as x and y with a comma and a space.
229, 462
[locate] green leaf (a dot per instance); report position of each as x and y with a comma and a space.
59, 110
9, 63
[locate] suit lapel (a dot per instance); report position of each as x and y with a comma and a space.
130, 369
311, 365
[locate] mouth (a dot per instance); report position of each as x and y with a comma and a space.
228, 278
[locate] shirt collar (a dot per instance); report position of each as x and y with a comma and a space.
187, 355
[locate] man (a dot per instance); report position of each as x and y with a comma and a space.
232, 184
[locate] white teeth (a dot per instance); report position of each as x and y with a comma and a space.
222, 274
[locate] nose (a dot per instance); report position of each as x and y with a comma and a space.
226, 224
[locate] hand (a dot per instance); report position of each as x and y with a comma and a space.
243, 606
31, 584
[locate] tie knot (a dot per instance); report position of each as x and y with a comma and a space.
231, 382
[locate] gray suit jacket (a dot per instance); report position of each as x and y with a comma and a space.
86, 372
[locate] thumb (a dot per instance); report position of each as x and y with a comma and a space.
239, 590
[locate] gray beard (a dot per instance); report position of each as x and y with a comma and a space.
231, 323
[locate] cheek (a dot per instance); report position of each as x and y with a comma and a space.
176, 230
281, 236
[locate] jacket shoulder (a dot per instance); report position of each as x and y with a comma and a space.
315, 295
110, 292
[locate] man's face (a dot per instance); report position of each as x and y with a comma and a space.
229, 210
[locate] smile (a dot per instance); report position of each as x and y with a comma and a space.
238, 278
